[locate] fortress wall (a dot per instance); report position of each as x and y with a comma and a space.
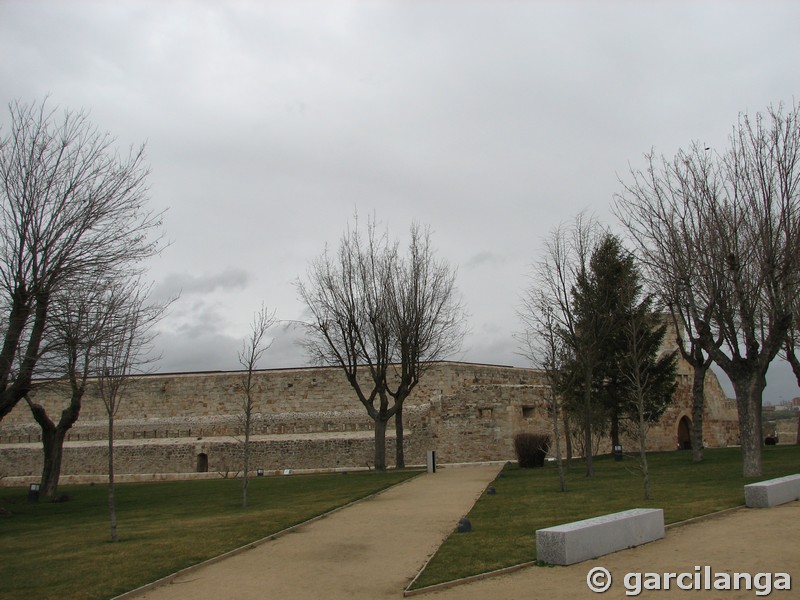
277, 391
719, 430
224, 425
310, 418
224, 455
720, 418
479, 421
209, 404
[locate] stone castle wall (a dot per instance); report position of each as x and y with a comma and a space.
310, 418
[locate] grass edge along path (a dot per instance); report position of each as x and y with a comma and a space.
504, 525
62, 550
254, 544
411, 590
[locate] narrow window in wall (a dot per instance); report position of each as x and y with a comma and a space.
485, 413
527, 412
202, 463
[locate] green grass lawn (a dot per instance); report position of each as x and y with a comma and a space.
63, 550
504, 525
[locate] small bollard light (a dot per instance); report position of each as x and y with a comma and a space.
33, 493
431, 461
491, 491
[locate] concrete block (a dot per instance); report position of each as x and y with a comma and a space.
766, 494
582, 540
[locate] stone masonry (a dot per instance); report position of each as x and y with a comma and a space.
309, 418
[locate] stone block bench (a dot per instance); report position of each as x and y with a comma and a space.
581, 540
766, 494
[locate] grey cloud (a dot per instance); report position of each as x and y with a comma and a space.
211, 351
267, 123
484, 258
286, 350
198, 348
186, 284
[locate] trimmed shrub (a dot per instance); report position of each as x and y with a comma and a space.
531, 449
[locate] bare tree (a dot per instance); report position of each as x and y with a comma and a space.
79, 320
252, 349
382, 319
427, 319
748, 257
757, 243
544, 347
638, 377
661, 209
124, 350
350, 327
691, 350
70, 208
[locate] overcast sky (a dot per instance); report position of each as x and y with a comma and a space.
268, 124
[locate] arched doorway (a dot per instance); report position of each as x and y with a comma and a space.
684, 434
202, 463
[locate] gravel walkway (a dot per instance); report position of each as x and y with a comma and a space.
373, 549
368, 551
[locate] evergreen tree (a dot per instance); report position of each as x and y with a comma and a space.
596, 306
618, 281
607, 301
658, 371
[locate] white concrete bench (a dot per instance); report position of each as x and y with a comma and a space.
766, 494
581, 540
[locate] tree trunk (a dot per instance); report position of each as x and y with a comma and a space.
698, 406
749, 389
14, 326
587, 422
614, 430
112, 507
587, 444
53, 446
400, 458
246, 463
568, 439
248, 424
53, 437
556, 435
380, 443
643, 450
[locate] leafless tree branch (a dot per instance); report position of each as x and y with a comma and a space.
253, 348
71, 210
382, 317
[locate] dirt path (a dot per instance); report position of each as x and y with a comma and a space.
368, 551
372, 550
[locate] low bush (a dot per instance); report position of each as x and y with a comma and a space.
531, 449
